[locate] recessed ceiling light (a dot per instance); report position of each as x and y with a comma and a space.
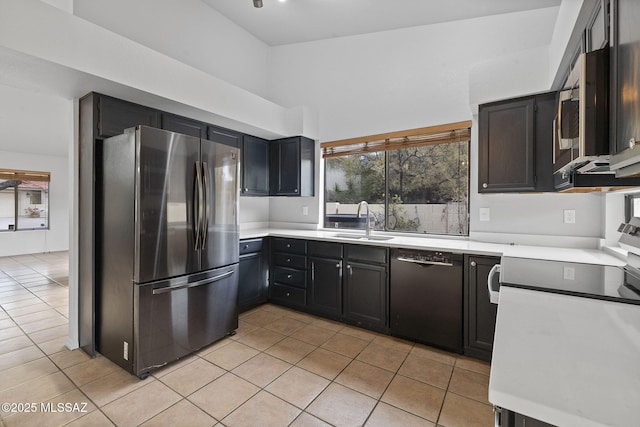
257, 3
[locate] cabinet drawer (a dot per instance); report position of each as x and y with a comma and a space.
290, 260
248, 246
366, 253
325, 249
290, 276
290, 245
289, 295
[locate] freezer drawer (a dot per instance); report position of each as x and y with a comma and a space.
176, 317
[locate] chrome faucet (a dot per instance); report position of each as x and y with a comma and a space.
367, 225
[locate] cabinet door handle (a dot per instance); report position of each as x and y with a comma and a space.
338, 265
295, 190
484, 185
288, 259
288, 276
473, 263
288, 245
246, 246
288, 294
350, 269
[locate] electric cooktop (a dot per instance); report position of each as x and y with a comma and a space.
620, 284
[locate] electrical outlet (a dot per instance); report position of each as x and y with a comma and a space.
569, 216
485, 214
569, 273
125, 351
305, 210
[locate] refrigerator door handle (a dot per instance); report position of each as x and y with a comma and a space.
205, 202
197, 206
192, 284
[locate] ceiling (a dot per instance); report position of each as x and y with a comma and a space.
293, 21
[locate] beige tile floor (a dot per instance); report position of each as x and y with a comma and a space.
282, 368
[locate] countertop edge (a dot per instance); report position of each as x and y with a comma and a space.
460, 246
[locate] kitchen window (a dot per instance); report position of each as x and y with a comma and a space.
631, 206
414, 181
24, 200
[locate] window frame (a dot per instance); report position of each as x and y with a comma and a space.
329, 146
628, 205
24, 175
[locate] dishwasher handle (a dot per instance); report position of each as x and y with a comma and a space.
494, 294
417, 261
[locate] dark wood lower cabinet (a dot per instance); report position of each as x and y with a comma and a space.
479, 312
288, 272
348, 283
365, 295
252, 283
514, 419
325, 285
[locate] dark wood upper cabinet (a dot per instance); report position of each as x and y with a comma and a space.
515, 145
255, 166
292, 167
224, 136
115, 115
183, 125
625, 76
597, 30
506, 161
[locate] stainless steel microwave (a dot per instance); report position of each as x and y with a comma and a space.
581, 128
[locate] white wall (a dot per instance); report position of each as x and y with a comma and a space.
567, 16
57, 237
189, 31
254, 211
400, 79
424, 76
509, 76
66, 5
36, 131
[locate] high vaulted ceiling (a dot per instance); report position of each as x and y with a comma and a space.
293, 21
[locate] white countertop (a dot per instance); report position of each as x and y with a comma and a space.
565, 360
445, 244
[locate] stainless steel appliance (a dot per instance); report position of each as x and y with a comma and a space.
426, 297
581, 137
168, 246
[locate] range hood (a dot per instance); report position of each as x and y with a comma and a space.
627, 162
575, 182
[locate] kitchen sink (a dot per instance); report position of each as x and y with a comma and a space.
361, 237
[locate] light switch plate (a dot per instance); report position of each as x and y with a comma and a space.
485, 214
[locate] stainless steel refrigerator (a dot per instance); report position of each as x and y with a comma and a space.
167, 246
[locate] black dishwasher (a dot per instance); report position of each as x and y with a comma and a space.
426, 297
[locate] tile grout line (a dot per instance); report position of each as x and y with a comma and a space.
48, 356
280, 315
